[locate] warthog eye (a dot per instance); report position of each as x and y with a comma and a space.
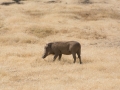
45, 47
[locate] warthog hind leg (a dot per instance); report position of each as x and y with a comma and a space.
78, 53
74, 57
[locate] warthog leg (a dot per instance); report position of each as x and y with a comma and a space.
80, 60
74, 57
56, 55
78, 53
60, 55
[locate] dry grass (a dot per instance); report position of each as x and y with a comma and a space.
26, 28
41, 32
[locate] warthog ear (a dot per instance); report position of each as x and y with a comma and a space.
49, 44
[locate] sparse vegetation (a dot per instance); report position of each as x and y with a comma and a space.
42, 32
35, 13
17, 1
26, 28
91, 35
86, 1
93, 14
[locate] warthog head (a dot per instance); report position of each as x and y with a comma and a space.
47, 50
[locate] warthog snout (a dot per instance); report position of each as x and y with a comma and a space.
44, 56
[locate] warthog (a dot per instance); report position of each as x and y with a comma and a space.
59, 48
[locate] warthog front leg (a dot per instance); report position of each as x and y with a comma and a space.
60, 55
55, 56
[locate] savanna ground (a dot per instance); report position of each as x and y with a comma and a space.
26, 27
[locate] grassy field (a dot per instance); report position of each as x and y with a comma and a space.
25, 28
